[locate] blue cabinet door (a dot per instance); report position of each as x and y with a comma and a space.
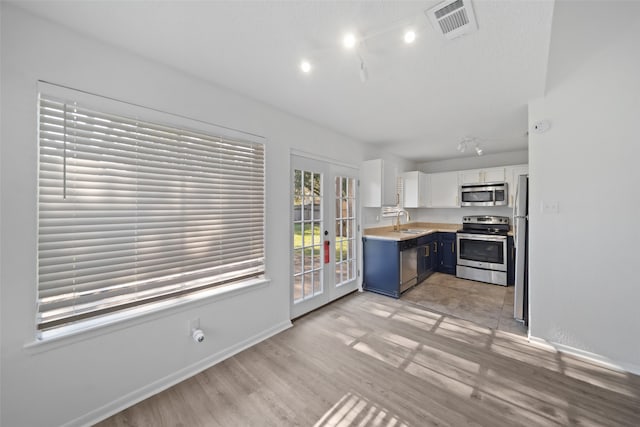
381, 267
427, 251
447, 253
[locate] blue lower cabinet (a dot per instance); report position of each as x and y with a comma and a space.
381, 266
427, 251
447, 253
381, 261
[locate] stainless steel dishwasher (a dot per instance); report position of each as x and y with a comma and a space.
408, 264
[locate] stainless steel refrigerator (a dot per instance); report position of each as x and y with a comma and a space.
521, 237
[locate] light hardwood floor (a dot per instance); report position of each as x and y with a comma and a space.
483, 303
371, 360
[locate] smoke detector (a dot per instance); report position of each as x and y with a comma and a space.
453, 18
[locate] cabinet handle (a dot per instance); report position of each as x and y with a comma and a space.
435, 247
452, 251
426, 250
513, 252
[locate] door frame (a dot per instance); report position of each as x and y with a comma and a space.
330, 292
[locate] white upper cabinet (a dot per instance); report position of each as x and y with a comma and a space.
443, 190
513, 172
415, 185
378, 184
480, 176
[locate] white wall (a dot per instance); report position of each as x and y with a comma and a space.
454, 215
79, 380
584, 277
476, 162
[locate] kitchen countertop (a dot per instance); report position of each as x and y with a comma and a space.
387, 232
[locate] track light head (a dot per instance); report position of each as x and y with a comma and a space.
364, 73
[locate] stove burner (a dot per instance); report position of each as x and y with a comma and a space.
491, 231
485, 224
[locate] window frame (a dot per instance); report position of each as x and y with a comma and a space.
125, 109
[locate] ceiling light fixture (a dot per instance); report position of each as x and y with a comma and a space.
479, 151
349, 41
409, 36
462, 146
305, 66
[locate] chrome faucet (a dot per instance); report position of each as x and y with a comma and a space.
400, 212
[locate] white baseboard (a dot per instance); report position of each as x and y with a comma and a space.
591, 357
156, 387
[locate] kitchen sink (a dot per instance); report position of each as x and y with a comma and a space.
413, 231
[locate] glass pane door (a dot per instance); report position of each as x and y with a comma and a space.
307, 232
324, 233
345, 259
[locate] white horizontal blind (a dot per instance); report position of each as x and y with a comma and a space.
133, 212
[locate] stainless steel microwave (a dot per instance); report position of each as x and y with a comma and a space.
485, 194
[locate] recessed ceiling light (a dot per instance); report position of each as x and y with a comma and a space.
349, 41
409, 36
305, 66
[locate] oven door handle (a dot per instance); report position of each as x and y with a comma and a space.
482, 237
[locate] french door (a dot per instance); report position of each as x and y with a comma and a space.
323, 233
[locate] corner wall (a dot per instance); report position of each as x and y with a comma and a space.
584, 277
81, 380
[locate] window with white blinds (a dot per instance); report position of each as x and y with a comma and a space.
133, 212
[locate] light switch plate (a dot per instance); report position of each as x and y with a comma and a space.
551, 207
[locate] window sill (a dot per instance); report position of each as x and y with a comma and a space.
92, 328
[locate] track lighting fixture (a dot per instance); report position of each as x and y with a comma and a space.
364, 74
462, 145
355, 42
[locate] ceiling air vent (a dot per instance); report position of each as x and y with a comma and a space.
453, 18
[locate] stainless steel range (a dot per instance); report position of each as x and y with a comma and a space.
482, 249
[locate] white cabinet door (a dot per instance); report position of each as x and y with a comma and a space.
371, 183
494, 175
378, 183
443, 190
480, 176
472, 176
390, 195
415, 189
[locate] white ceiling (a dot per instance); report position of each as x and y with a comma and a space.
420, 100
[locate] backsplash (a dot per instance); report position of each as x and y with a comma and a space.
372, 217
454, 215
